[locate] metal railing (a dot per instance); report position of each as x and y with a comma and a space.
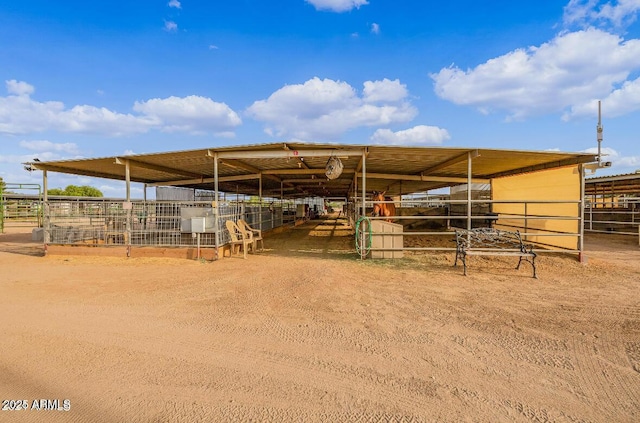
534, 221
620, 216
20, 211
151, 223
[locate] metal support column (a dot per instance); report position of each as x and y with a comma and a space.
581, 257
364, 183
260, 201
128, 206
216, 208
469, 170
46, 224
363, 240
127, 178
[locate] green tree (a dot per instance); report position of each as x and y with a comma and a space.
76, 191
55, 191
87, 191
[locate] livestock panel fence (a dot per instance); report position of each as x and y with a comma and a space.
105, 223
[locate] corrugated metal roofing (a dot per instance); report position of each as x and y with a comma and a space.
293, 168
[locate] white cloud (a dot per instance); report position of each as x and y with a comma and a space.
559, 74
20, 114
19, 88
44, 145
213, 47
337, 5
620, 163
606, 151
578, 11
619, 102
418, 135
385, 90
170, 26
24, 158
175, 3
585, 13
189, 114
375, 28
327, 108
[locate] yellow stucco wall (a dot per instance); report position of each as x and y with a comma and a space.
562, 184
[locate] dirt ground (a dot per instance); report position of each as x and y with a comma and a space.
306, 331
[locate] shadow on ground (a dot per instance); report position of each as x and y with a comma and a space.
20, 243
324, 238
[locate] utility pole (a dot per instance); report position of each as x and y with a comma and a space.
599, 130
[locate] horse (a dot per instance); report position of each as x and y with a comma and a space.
383, 209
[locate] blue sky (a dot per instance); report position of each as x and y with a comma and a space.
103, 78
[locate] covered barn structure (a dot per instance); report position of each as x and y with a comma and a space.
613, 204
541, 194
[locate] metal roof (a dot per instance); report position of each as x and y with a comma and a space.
298, 169
627, 183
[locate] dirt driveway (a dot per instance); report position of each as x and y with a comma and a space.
305, 331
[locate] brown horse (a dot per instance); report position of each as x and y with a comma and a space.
383, 209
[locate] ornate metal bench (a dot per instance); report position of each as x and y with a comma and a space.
492, 242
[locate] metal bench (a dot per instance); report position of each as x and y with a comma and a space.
492, 242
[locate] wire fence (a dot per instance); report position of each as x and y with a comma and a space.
153, 223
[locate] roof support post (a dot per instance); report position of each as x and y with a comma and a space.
581, 257
260, 201
364, 182
469, 173
127, 179
46, 210
45, 185
127, 206
354, 192
216, 209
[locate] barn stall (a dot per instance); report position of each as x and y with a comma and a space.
275, 185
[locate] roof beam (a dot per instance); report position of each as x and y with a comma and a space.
205, 180
286, 154
240, 165
298, 159
245, 166
457, 159
60, 169
443, 165
425, 178
300, 171
150, 166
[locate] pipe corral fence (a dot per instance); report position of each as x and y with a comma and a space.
114, 222
20, 210
434, 219
619, 215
